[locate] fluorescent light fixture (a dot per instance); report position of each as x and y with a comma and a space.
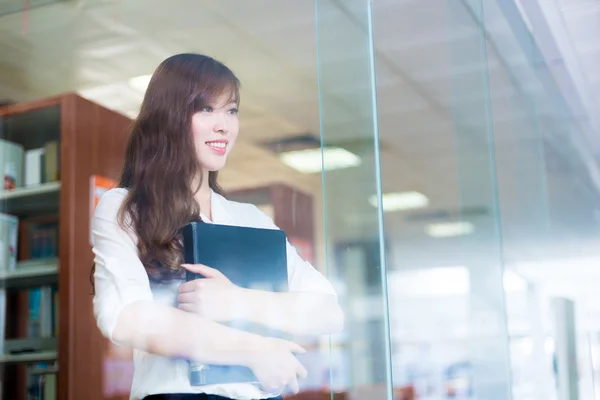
430, 282
443, 282
310, 161
140, 83
450, 229
400, 201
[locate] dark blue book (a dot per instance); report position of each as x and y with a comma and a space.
251, 258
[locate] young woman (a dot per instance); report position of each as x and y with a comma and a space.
186, 129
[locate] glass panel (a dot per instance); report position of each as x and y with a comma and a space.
477, 187
447, 305
351, 186
549, 195
517, 90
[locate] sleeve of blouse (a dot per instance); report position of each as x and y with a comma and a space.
120, 278
302, 276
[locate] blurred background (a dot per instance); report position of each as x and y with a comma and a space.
438, 160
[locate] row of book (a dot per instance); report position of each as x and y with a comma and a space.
40, 235
42, 381
29, 167
31, 240
42, 319
34, 240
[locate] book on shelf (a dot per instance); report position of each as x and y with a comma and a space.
43, 305
2, 319
29, 167
34, 166
51, 163
43, 240
38, 238
8, 261
11, 164
42, 165
9, 226
41, 381
42, 236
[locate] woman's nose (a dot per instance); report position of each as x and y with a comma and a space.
220, 123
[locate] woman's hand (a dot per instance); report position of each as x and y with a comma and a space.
213, 297
273, 362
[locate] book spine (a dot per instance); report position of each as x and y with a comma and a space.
33, 166
11, 164
9, 226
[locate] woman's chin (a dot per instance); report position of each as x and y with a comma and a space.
214, 167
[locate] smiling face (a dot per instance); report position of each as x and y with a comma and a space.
214, 130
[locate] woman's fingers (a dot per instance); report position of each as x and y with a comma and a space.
186, 307
294, 347
301, 371
188, 297
203, 270
293, 386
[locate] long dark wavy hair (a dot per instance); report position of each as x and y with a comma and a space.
161, 161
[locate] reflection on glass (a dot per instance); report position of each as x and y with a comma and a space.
353, 225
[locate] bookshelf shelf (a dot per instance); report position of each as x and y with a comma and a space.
28, 357
31, 199
30, 274
29, 345
44, 371
29, 191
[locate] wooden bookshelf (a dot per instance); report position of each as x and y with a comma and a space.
91, 141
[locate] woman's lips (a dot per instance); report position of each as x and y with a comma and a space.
218, 146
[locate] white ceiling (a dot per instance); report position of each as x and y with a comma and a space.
582, 22
429, 73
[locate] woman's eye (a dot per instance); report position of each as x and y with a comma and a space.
206, 109
233, 111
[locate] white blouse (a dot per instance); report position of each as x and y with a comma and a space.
121, 279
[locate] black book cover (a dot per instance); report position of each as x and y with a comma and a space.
251, 258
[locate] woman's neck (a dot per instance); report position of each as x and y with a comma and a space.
203, 198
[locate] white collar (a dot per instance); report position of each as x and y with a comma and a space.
218, 207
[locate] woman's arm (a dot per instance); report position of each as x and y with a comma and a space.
298, 313
169, 332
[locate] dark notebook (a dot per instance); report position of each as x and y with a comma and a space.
249, 257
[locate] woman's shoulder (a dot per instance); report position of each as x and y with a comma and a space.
110, 202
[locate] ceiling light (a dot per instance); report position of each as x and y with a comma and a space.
140, 83
400, 201
311, 160
450, 229
443, 281
430, 282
